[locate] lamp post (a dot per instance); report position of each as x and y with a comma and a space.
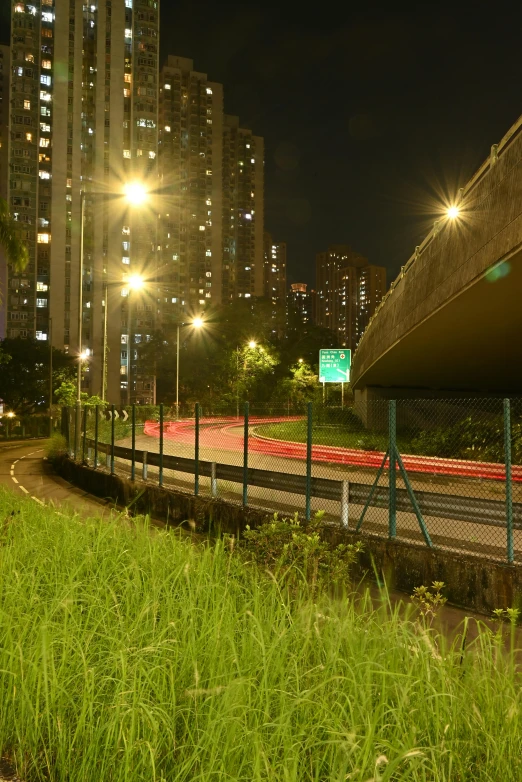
252, 345
197, 323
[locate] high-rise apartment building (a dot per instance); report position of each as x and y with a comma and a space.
298, 307
190, 167
83, 124
348, 291
274, 279
5, 75
243, 211
371, 287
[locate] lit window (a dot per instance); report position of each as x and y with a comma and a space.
209, 172
41, 335
202, 301
248, 216
44, 142
46, 64
128, 32
126, 153
47, 16
152, 154
124, 291
209, 91
208, 253
252, 160
174, 301
27, 104
125, 259
69, 183
45, 96
125, 230
44, 238
28, 136
127, 77
41, 302
126, 92
139, 153
44, 175
19, 8
128, 3
201, 227
41, 286
247, 146
167, 128
45, 80
209, 202
126, 245
167, 86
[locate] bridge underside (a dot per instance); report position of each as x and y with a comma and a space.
473, 344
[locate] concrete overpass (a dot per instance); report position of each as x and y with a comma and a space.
451, 323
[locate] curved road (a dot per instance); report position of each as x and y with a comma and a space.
24, 469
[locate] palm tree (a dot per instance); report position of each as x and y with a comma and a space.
15, 250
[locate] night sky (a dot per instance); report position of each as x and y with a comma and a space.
372, 115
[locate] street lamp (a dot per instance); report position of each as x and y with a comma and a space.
136, 194
453, 212
197, 323
252, 344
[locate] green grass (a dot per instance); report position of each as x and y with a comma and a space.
131, 654
335, 436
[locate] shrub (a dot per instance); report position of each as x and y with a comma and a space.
300, 554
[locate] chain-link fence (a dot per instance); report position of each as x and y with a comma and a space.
443, 473
26, 427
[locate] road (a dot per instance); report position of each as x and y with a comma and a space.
24, 469
222, 442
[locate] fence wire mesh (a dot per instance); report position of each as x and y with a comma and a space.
443, 473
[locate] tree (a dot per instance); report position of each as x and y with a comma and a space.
10, 241
66, 396
24, 379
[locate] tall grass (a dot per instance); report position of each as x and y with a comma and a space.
130, 654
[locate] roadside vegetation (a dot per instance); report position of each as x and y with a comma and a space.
470, 438
128, 653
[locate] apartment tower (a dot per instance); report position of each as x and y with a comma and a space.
83, 125
348, 291
243, 212
190, 170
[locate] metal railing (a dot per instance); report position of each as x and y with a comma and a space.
445, 473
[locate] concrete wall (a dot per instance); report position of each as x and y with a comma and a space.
445, 324
470, 582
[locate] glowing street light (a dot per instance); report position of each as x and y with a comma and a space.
84, 355
197, 323
135, 282
301, 360
135, 193
252, 344
453, 212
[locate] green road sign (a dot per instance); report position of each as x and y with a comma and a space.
334, 366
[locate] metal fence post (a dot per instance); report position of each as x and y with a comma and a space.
97, 416
84, 438
345, 503
196, 451
308, 500
213, 480
144, 466
509, 487
161, 446
392, 517
77, 426
133, 463
245, 455
113, 422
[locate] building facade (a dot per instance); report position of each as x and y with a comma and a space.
5, 77
348, 289
299, 313
83, 124
274, 275
190, 170
243, 212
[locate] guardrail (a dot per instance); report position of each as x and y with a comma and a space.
431, 504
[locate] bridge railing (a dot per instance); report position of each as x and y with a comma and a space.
441, 473
464, 193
